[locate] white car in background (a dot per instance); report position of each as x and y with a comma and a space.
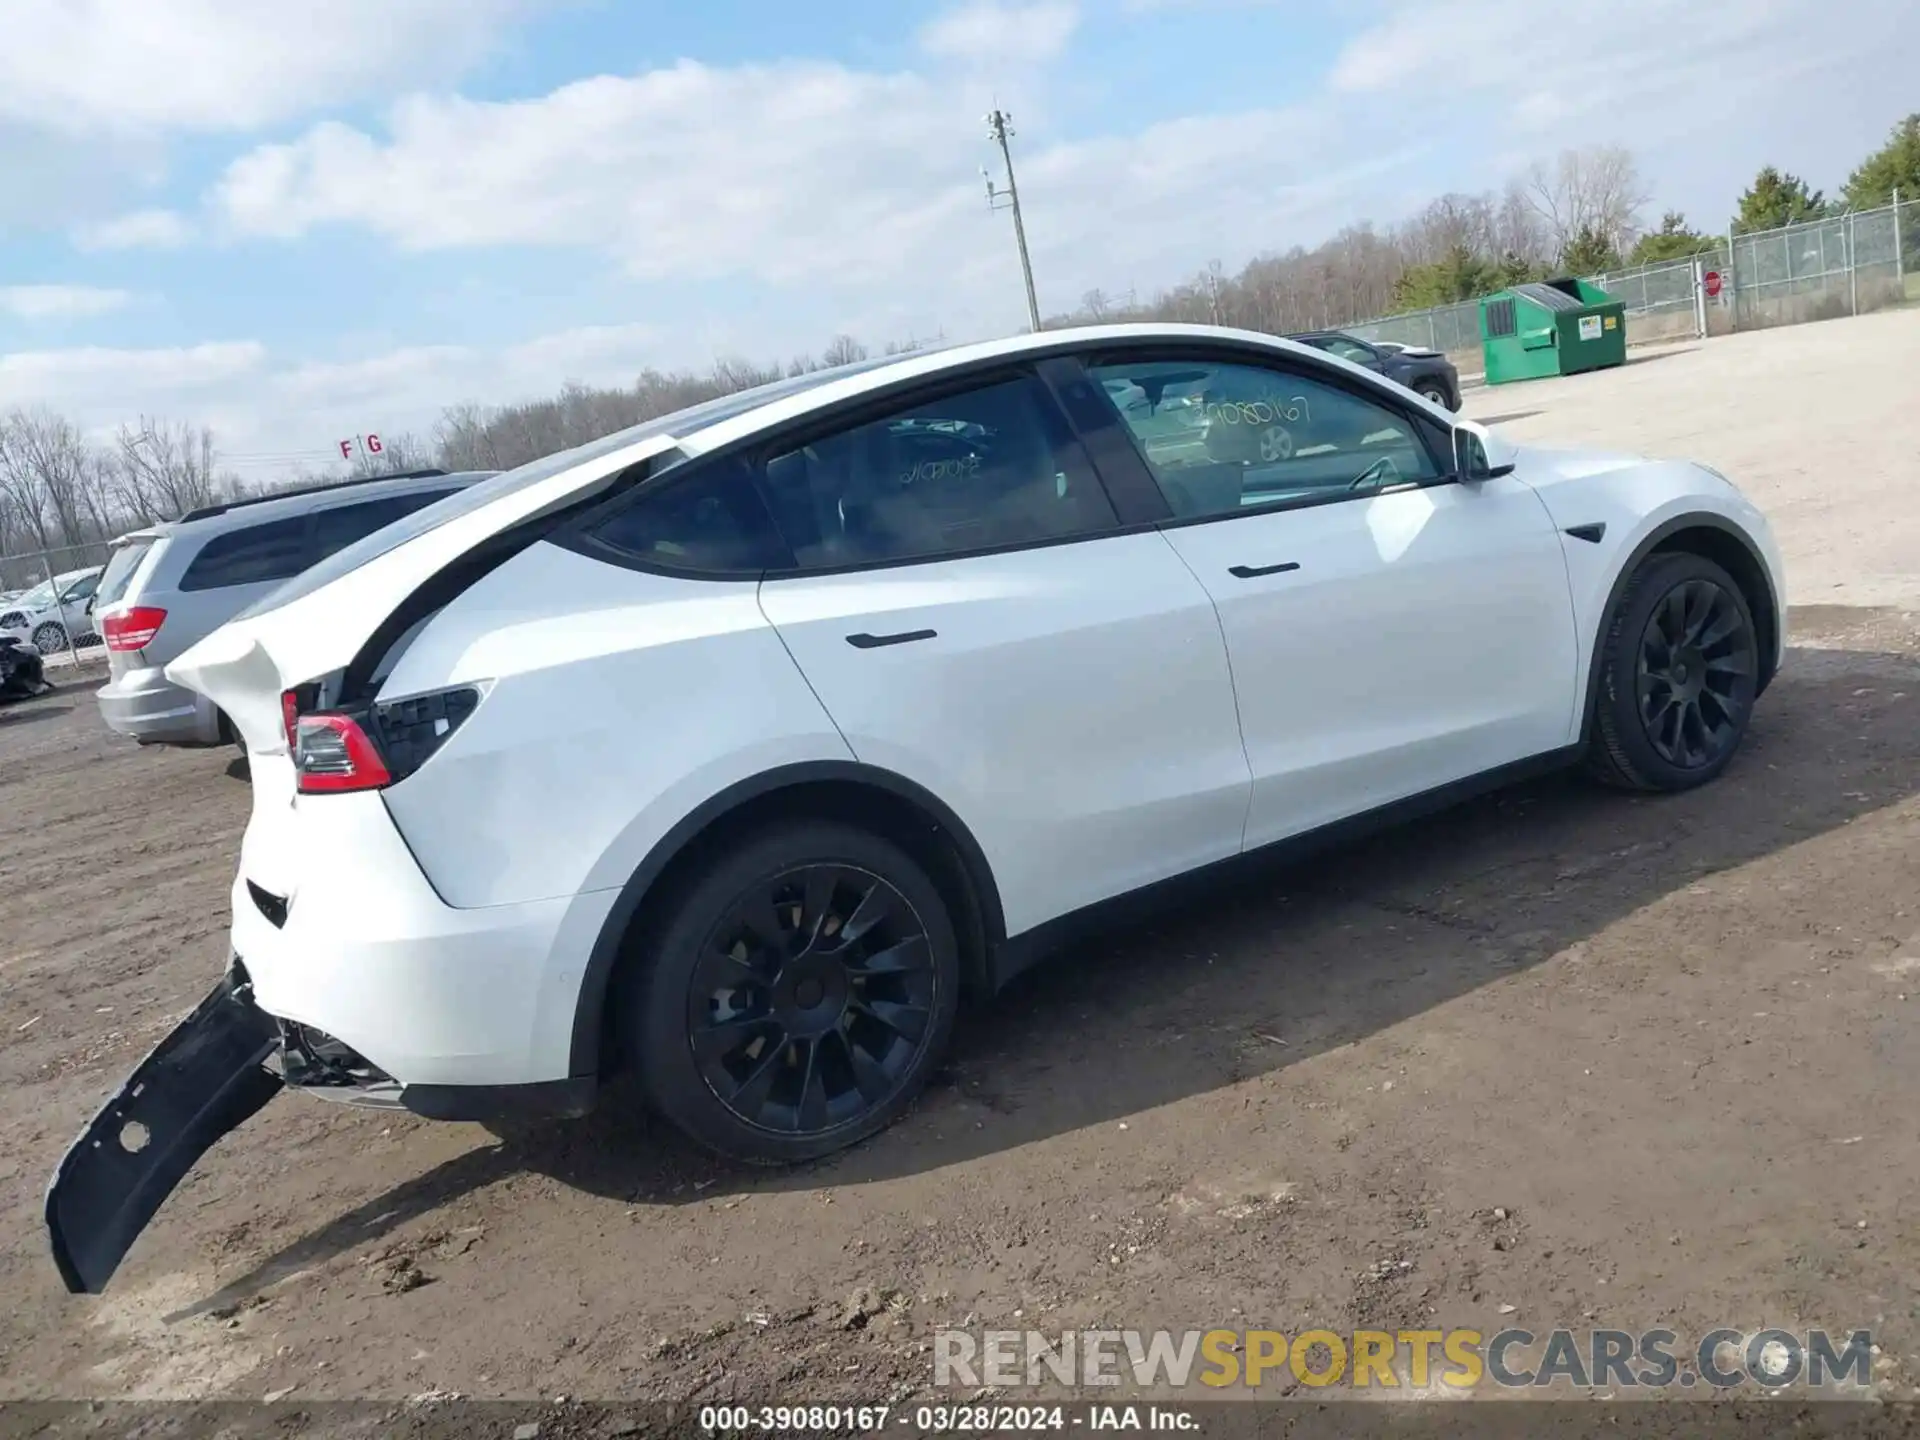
727, 752
52, 626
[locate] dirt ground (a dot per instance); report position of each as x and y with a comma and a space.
1673, 1041
1816, 422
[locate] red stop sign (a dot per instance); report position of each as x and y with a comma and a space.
1713, 283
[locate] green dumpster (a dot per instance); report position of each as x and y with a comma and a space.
1551, 327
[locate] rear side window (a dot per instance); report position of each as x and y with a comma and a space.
981, 469
344, 525
121, 566
252, 555
711, 522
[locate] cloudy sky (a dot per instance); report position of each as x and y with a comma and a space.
299, 219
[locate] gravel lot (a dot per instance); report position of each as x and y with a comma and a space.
1673, 1040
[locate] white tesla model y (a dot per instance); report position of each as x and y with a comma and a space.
728, 752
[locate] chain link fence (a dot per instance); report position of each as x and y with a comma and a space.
45, 597
1844, 265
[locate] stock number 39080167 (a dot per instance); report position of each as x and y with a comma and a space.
788, 1419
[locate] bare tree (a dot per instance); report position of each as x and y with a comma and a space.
842, 350
43, 466
1597, 191
1518, 230
464, 440
397, 454
161, 469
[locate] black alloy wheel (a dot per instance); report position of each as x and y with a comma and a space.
811, 998
798, 995
1696, 657
1679, 668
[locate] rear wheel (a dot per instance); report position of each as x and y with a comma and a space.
1679, 668
798, 996
1434, 391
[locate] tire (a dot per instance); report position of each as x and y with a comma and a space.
1428, 390
1681, 723
49, 637
742, 999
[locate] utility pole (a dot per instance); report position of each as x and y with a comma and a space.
999, 128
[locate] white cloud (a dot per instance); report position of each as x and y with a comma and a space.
100, 387
864, 186
989, 33
82, 66
1704, 95
777, 172
59, 302
261, 405
860, 185
139, 229
406, 389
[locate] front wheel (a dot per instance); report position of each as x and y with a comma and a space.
798, 996
1679, 669
49, 638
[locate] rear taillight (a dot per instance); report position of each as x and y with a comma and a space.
333, 753
132, 629
368, 747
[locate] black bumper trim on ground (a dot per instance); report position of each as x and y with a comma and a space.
206, 1078
542, 1100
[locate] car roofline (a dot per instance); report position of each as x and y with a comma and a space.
315, 497
931, 364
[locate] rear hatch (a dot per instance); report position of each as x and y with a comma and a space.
318, 622
117, 614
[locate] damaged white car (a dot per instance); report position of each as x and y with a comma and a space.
725, 754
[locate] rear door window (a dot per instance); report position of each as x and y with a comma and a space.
344, 525
983, 469
119, 573
710, 522
251, 555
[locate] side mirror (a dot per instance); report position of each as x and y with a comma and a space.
1479, 454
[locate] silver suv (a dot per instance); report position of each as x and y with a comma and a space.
169, 585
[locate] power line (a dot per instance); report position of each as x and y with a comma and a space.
999, 128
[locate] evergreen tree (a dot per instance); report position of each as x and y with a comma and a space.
1894, 166
1776, 198
1589, 252
1674, 240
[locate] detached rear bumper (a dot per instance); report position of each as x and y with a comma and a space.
216, 1069
206, 1078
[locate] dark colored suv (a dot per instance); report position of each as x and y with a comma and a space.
1427, 373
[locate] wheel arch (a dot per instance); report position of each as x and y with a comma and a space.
1712, 537
867, 795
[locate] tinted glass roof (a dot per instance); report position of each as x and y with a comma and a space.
680, 423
